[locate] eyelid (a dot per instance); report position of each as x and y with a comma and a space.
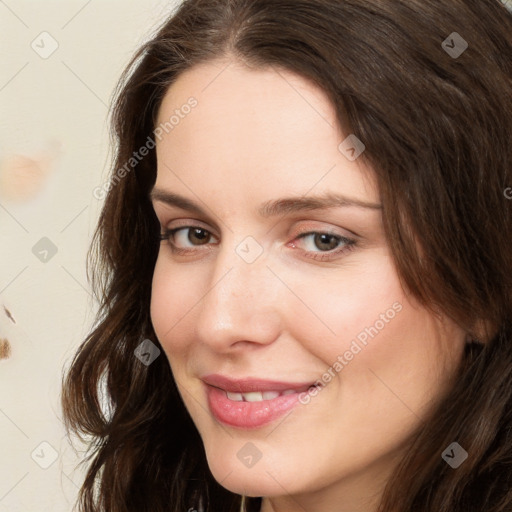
188, 223
327, 230
302, 230
176, 215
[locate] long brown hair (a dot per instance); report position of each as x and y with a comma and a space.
436, 119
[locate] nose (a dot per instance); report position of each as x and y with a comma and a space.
242, 303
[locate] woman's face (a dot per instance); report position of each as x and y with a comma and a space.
261, 281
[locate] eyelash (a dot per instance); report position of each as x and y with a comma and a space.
322, 256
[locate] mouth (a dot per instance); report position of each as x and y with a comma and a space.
261, 396
251, 403
254, 385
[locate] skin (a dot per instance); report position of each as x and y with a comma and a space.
258, 135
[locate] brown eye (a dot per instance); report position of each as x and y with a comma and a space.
326, 242
325, 246
186, 237
198, 234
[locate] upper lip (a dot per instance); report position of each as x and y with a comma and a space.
249, 385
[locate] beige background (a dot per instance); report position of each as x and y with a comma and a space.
54, 150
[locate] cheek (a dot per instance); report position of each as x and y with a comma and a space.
346, 305
378, 341
404, 365
162, 300
173, 295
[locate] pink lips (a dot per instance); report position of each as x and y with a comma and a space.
247, 415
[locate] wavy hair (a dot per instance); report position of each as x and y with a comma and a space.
437, 127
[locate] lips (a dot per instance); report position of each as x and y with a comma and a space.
250, 403
250, 385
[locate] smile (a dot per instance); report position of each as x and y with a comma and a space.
257, 396
250, 403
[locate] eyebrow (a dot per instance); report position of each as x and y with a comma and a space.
274, 207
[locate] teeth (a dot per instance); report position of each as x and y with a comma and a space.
236, 397
269, 395
257, 396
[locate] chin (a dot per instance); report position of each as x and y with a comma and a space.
250, 486
252, 482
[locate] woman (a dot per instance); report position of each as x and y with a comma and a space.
304, 264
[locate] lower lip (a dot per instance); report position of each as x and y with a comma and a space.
248, 414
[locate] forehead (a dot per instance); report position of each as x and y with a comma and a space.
264, 128
228, 90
